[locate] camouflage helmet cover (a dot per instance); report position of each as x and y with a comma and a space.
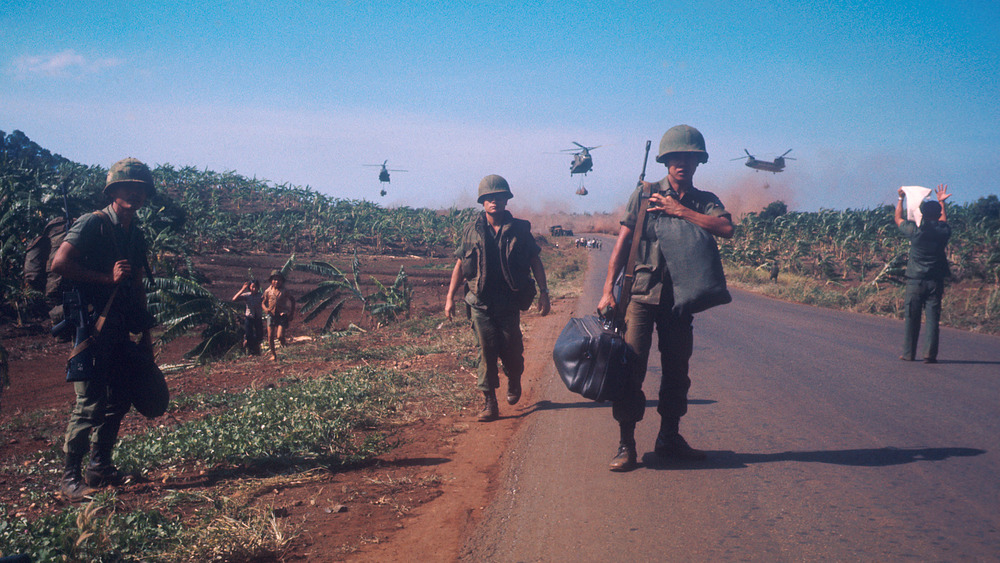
682, 138
493, 184
128, 171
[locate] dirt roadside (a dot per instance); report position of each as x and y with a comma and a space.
422, 499
437, 530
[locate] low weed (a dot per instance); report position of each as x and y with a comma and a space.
93, 532
308, 420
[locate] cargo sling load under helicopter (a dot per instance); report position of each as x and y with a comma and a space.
775, 166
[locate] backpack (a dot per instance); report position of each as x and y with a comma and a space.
38, 261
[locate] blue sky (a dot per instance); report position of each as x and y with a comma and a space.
869, 95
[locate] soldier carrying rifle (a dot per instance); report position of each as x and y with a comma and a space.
104, 255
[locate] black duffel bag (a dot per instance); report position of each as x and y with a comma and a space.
593, 359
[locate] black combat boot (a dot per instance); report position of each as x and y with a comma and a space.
72, 487
626, 459
100, 471
670, 444
491, 410
513, 390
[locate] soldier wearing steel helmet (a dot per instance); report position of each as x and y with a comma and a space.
104, 255
497, 257
682, 149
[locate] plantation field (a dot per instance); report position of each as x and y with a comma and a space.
331, 450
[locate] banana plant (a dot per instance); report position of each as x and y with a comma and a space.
182, 305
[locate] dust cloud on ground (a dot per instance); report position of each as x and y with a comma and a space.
606, 223
752, 195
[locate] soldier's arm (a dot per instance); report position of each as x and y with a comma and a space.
619, 254
898, 217
538, 269
66, 263
718, 225
456, 280
942, 194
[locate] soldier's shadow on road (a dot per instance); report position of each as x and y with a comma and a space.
866, 457
546, 405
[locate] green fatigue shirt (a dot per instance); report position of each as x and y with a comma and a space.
650, 271
497, 265
101, 243
927, 242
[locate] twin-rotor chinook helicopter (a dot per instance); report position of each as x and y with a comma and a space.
775, 166
581, 164
383, 174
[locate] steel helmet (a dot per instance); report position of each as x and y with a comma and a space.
682, 138
493, 184
128, 171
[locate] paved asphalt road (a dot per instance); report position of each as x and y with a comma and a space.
823, 446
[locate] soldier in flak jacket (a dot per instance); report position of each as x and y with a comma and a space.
104, 255
497, 257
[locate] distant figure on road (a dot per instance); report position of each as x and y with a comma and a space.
497, 256
682, 149
279, 304
774, 272
926, 271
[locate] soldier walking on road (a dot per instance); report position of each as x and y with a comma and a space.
682, 149
104, 254
497, 256
926, 271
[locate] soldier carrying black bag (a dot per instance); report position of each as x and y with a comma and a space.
104, 256
677, 274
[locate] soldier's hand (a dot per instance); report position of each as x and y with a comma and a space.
607, 300
543, 304
122, 271
942, 193
449, 308
666, 204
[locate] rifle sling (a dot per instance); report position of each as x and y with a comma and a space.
81, 346
640, 229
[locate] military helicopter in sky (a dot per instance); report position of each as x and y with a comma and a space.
768, 166
582, 161
383, 175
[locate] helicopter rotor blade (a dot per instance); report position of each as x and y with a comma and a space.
786, 152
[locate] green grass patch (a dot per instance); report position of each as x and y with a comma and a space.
303, 423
